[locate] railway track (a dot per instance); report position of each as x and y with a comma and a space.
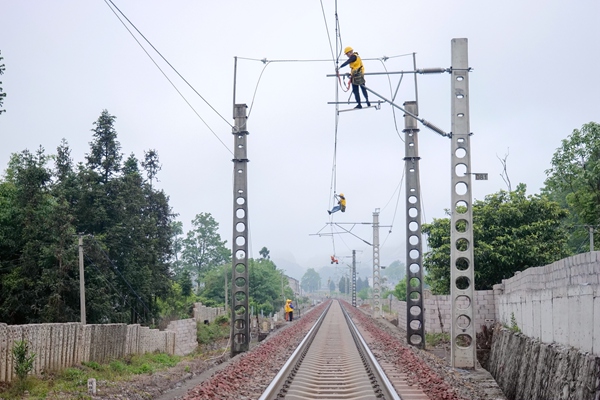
334, 362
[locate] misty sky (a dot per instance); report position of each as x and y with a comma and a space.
535, 79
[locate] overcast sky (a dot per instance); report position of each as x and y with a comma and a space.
535, 78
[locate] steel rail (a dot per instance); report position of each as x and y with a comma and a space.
387, 388
283, 374
380, 383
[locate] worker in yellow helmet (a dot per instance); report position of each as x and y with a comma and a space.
341, 206
289, 310
357, 75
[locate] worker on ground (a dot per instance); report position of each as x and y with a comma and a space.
289, 310
341, 204
357, 75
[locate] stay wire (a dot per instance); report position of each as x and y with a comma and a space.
121, 275
164, 74
108, 283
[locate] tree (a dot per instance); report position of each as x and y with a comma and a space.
105, 156
394, 272
511, 233
311, 281
342, 285
264, 285
331, 286
151, 165
364, 293
2, 94
400, 290
574, 180
264, 252
203, 247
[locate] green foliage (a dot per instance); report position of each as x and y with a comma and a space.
572, 181
364, 293
41, 209
400, 290
435, 339
513, 323
208, 333
311, 281
394, 272
264, 253
511, 232
23, 361
72, 382
203, 249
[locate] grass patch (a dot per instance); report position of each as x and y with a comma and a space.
74, 380
435, 339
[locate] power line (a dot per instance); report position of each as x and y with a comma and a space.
165, 75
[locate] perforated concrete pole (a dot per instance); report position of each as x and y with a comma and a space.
376, 304
240, 318
415, 334
462, 283
354, 278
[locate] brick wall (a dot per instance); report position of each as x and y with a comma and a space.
203, 313
186, 338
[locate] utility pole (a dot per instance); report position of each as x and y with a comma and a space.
415, 332
81, 281
591, 228
376, 306
462, 277
353, 278
240, 320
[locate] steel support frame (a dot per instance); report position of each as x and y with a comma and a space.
415, 332
462, 282
376, 306
240, 318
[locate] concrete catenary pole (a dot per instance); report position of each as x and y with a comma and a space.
376, 305
240, 318
81, 281
462, 277
354, 278
415, 332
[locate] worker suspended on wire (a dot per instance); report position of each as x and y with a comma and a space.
357, 75
334, 260
341, 204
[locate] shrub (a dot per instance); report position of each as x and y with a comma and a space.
23, 361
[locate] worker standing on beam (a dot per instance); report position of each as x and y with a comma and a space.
357, 75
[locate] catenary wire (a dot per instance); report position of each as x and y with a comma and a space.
165, 75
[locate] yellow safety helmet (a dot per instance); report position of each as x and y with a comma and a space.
348, 50
342, 194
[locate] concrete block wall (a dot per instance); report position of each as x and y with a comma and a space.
203, 313
559, 302
58, 346
438, 311
186, 338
